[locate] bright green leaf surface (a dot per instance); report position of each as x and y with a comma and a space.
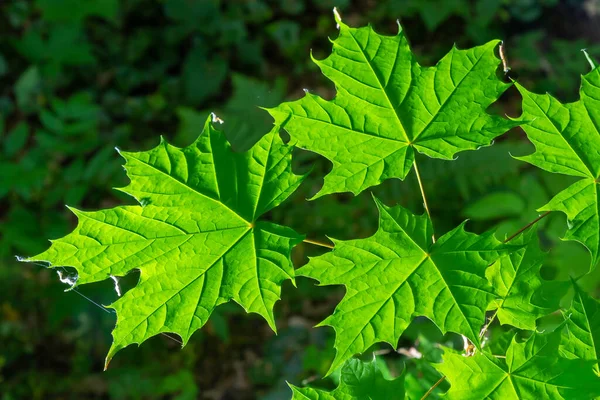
387, 105
398, 274
358, 381
523, 295
195, 238
582, 332
567, 141
531, 370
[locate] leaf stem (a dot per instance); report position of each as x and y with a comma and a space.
514, 235
486, 326
317, 243
423, 193
426, 395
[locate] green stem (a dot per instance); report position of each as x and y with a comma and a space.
317, 243
423, 193
426, 395
517, 233
486, 327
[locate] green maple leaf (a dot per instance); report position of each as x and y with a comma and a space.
523, 295
582, 332
358, 381
195, 238
531, 370
567, 141
399, 273
387, 105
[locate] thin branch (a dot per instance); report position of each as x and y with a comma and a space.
426, 395
517, 233
423, 193
486, 327
317, 243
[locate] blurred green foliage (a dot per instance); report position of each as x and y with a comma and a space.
80, 78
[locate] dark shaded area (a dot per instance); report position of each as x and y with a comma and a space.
80, 78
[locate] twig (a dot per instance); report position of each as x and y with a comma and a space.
544, 215
317, 243
486, 326
431, 389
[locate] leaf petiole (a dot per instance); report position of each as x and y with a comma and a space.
423, 193
317, 243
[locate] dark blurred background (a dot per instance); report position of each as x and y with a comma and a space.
79, 78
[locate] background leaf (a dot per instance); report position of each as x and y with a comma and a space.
358, 380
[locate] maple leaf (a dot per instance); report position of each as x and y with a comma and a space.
399, 273
582, 332
387, 105
195, 238
358, 381
567, 141
523, 295
531, 370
